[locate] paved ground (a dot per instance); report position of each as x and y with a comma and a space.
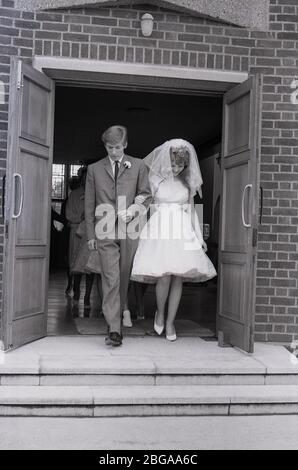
263, 432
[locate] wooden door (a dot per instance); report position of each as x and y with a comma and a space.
28, 206
239, 205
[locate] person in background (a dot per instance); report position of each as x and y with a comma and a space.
75, 214
73, 183
57, 221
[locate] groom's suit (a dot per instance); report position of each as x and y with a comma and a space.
116, 254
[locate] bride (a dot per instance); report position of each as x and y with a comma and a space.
171, 248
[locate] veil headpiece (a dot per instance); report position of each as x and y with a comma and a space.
160, 168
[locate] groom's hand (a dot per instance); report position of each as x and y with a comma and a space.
125, 216
92, 245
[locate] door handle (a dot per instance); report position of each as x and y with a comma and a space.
17, 176
242, 205
261, 205
3, 195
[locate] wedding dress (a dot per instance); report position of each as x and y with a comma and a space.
169, 243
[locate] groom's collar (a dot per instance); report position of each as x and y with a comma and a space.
113, 161
108, 165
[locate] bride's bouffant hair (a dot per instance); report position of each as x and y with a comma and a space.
115, 135
180, 156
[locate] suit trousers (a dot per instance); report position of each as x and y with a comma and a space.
116, 257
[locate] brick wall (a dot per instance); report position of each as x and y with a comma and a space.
114, 34
277, 289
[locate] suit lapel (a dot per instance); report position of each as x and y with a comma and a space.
122, 167
108, 167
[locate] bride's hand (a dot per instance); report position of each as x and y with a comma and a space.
125, 216
139, 199
92, 245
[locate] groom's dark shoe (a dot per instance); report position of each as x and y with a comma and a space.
114, 339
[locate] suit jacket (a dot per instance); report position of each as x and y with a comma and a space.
100, 189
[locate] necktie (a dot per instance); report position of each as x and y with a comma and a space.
116, 169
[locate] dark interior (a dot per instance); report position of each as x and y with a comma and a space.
82, 114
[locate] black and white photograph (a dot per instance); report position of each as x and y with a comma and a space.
148, 228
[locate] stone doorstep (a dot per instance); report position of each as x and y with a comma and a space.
129, 365
191, 361
148, 380
147, 410
125, 367
153, 379
148, 401
111, 395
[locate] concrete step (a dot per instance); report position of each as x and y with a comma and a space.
62, 361
55, 370
148, 400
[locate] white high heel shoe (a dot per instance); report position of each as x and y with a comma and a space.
126, 319
172, 337
158, 329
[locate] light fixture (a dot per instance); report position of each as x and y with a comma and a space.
147, 24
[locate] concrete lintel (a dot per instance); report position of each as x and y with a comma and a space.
252, 14
46, 62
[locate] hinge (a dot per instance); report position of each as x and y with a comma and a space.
20, 75
255, 237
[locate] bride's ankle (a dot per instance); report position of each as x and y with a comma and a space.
170, 327
159, 317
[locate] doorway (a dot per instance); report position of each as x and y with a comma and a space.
81, 115
29, 184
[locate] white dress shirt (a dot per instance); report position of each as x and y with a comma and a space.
113, 163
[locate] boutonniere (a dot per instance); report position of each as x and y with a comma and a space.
127, 164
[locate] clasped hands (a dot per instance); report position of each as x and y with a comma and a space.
124, 215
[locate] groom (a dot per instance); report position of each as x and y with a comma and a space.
111, 207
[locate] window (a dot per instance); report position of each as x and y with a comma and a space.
58, 182
74, 169
60, 176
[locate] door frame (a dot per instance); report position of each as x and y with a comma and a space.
122, 75
112, 75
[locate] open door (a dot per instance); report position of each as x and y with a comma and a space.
239, 205
27, 212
